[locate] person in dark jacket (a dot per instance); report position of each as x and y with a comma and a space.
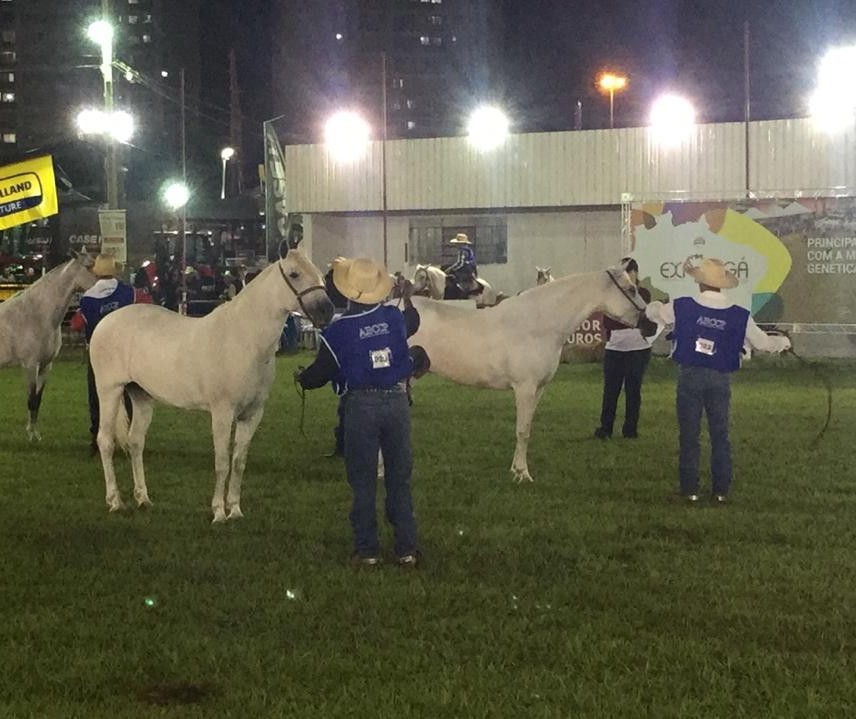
364, 354
624, 363
107, 295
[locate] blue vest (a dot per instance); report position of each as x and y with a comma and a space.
708, 337
94, 308
370, 348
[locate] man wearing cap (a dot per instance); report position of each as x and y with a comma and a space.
106, 295
364, 353
709, 332
464, 268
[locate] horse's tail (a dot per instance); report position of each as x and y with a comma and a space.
125, 415
123, 421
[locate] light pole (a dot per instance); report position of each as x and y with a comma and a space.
176, 194
226, 154
101, 32
611, 83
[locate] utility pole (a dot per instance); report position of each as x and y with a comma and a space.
111, 165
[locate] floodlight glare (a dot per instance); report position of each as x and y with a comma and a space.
487, 128
100, 32
118, 124
672, 120
176, 195
227, 153
346, 135
833, 104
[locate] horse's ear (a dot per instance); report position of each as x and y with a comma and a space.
547, 270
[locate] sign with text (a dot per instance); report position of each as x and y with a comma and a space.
27, 192
113, 233
795, 260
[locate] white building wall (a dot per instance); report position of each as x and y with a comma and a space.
569, 242
568, 169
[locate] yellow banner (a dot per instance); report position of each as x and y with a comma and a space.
27, 192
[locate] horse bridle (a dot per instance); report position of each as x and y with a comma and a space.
299, 295
623, 291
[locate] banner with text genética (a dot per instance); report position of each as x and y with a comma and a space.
27, 192
795, 259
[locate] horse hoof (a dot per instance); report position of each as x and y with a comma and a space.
144, 503
521, 476
235, 513
116, 506
219, 517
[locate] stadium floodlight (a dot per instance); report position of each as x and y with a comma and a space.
833, 104
611, 83
176, 194
117, 125
346, 135
488, 127
672, 120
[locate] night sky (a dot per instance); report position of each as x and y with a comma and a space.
556, 47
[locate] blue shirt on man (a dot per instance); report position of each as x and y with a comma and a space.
708, 336
370, 348
105, 296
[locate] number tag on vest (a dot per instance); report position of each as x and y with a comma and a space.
380, 358
706, 347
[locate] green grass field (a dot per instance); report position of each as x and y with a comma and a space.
585, 594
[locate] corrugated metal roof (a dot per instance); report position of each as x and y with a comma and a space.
566, 169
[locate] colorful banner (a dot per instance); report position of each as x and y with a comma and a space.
27, 192
113, 233
795, 259
276, 216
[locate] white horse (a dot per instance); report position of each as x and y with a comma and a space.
223, 362
431, 280
30, 328
517, 344
544, 277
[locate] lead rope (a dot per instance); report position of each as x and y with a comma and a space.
822, 376
302, 394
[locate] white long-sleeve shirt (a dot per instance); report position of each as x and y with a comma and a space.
664, 314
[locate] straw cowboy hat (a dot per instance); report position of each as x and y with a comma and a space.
361, 280
712, 273
460, 239
106, 266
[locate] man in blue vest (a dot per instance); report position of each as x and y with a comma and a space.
709, 333
106, 295
364, 353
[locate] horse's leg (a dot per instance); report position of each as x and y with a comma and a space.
109, 402
245, 428
143, 407
35, 386
526, 398
222, 421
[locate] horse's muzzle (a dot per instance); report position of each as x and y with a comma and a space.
318, 307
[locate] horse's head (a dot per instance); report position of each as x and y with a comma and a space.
544, 275
421, 280
306, 282
621, 299
80, 268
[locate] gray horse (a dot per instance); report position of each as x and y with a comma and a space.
30, 335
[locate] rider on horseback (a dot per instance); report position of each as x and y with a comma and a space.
463, 270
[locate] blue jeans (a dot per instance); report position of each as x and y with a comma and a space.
628, 369
379, 419
709, 390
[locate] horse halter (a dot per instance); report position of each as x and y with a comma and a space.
623, 291
299, 295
